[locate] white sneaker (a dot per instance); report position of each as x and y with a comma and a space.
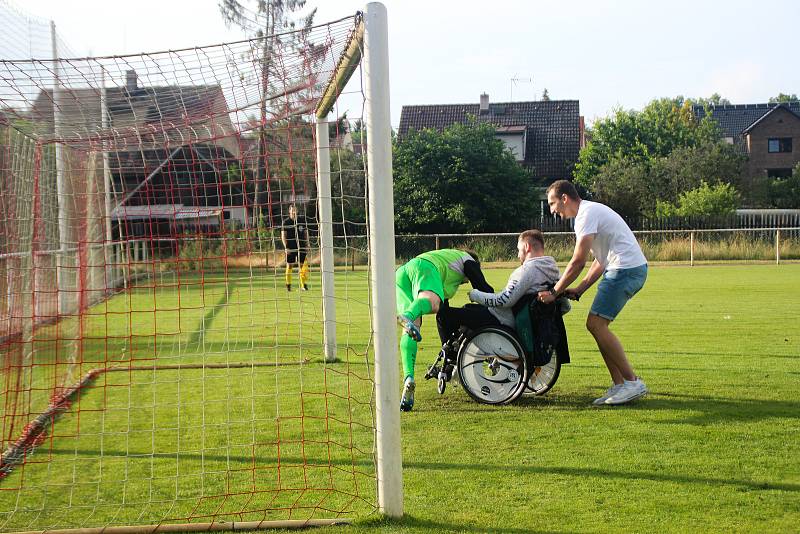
600, 401
630, 390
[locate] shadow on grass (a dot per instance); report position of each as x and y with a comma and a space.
411, 522
198, 335
706, 410
688, 409
580, 472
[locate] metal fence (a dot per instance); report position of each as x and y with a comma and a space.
690, 246
743, 219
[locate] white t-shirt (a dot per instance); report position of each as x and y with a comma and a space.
614, 245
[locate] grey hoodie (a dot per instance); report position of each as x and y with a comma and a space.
527, 279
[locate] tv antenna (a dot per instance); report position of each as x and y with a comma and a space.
515, 81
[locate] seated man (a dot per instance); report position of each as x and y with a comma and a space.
422, 285
536, 273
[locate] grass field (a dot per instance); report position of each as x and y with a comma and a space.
714, 447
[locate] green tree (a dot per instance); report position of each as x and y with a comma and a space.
545, 95
348, 189
714, 100
460, 180
633, 187
782, 97
639, 136
785, 192
706, 200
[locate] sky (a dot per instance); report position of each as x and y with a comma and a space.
606, 54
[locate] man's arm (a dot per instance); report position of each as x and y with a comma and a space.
573, 270
283, 238
473, 273
530, 276
595, 272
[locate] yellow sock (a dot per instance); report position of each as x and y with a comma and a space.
288, 274
304, 273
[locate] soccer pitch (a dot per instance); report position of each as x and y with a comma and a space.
713, 448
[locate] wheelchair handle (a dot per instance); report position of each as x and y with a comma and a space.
569, 296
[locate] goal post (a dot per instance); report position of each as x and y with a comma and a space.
382, 259
370, 42
162, 368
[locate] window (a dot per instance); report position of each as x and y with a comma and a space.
729, 140
779, 144
779, 173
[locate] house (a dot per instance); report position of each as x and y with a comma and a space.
544, 136
769, 134
167, 146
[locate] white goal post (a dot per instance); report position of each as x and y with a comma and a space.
375, 47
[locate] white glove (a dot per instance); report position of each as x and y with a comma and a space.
473, 295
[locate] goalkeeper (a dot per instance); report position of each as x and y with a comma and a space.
294, 236
422, 285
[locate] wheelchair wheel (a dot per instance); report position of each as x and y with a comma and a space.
543, 378
492, 366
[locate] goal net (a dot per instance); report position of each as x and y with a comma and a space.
161, 365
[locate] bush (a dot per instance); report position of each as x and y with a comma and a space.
706, 200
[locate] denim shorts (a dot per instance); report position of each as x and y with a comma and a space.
617, 287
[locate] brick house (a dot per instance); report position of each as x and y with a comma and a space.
769, 134
544, 136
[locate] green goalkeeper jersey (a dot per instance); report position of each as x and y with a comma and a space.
450, 264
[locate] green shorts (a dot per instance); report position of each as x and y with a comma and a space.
415, 276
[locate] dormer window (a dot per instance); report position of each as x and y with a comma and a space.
779, 144
514, 139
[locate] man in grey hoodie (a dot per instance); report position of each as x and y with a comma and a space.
535, 274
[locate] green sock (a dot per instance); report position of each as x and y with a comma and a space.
418, 308
408, 354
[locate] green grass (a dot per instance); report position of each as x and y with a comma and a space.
714, 447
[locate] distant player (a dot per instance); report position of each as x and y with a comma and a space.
294, 235
422, 285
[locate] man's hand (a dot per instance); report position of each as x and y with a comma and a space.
572, 294
546, 296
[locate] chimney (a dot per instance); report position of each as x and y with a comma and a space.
130, 80
484, 103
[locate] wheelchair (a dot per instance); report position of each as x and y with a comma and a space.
496, 364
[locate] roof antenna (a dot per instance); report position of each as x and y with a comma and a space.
515, 81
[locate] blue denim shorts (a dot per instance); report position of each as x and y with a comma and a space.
617, 287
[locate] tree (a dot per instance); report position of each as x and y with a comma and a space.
783, 98
265, 19
545, 95
785, 192
632, 188
638, 136
706, 200
713, 100
348, 190
462, 180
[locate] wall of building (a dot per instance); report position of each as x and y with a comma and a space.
780, 123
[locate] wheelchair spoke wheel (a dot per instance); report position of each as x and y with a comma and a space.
543, 378
492, 366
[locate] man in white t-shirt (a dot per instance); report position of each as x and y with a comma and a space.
619, 260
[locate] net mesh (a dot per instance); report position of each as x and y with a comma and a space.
155, 369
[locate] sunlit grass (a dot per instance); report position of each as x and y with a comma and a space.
713, 447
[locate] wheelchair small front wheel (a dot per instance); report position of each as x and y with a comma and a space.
492, 366
442, 384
